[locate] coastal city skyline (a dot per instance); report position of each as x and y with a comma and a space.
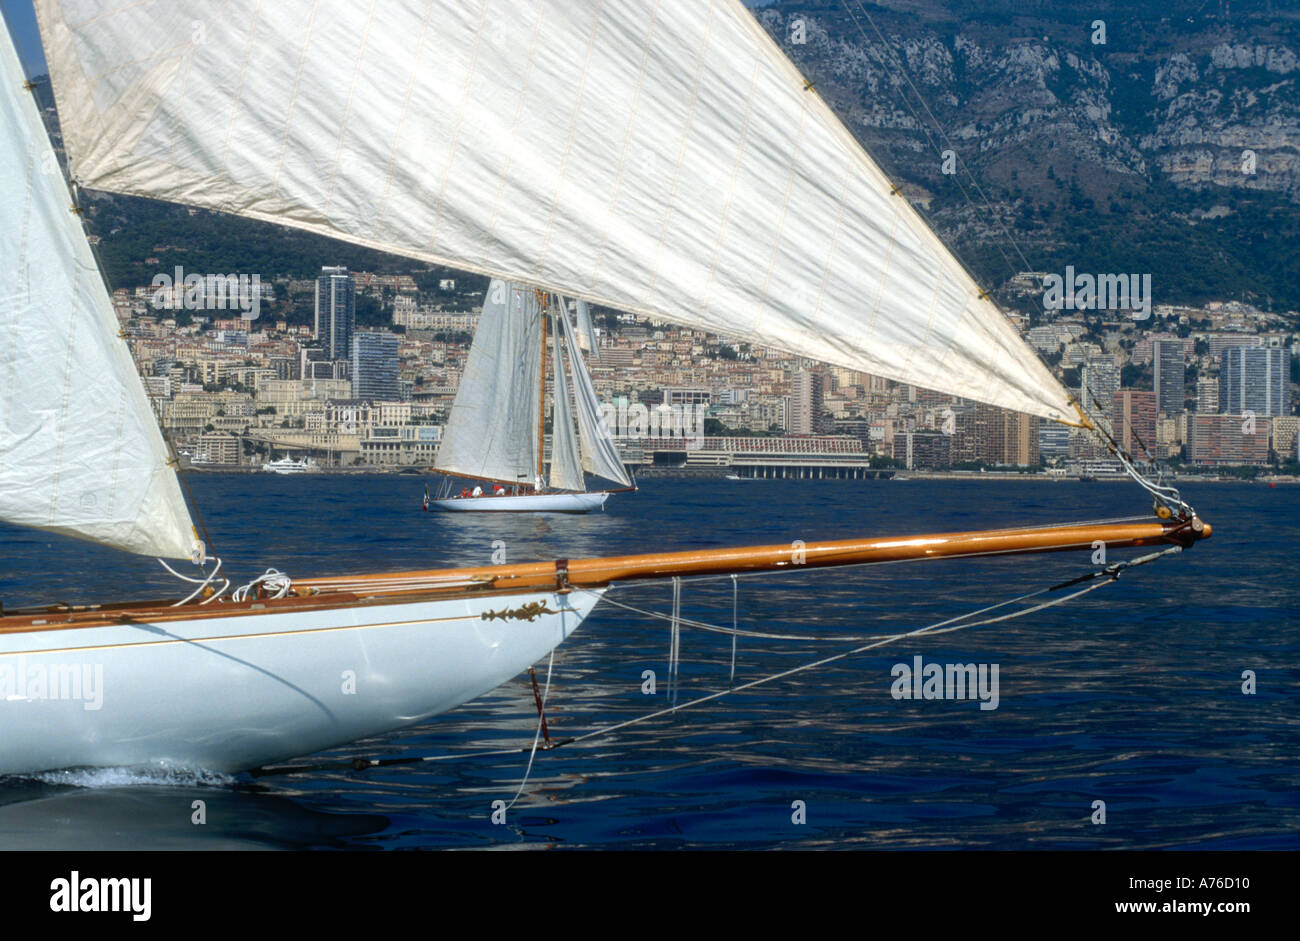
233, 391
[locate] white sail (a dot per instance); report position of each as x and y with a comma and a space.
660, 158
566, 459
80, 451
491, 431
599, 453
586, 331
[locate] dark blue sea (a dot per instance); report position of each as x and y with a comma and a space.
1132, 695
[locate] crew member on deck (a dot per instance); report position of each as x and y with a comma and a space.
478, 491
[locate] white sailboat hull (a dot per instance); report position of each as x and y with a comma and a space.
527, 503
234, 693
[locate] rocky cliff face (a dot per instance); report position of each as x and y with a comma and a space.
1228, 117
1067, 117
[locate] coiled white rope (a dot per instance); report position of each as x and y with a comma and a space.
275, 583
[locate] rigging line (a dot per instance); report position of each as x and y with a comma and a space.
938, 128
1150, 458
22, 59
674, 639
1165, 494
1112, 571
735, 605
1111, 433
203, 583
361, 764
541, 721
925, 131
1105, 429
927, 631
956, 179
987, 205
735, 632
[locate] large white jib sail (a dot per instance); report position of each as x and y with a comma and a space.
80, 451
660, 158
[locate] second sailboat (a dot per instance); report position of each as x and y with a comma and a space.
496, 432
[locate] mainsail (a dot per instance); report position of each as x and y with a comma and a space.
671, 162
80, 450
491, 431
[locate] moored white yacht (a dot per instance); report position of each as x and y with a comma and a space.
287, 465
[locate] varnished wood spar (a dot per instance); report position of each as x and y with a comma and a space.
375, 591
602, 571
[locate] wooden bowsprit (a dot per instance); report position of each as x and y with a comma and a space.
598, 572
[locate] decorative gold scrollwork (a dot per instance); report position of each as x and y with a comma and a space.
528, 612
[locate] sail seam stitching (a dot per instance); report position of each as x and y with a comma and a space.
347, 109
669, 204
514, 125
568, 144
238, 100
633, 112
293, 98
391, 167
724, 223
460, 121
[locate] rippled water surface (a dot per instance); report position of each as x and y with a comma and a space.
1131, 695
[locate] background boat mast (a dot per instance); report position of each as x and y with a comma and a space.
541, 408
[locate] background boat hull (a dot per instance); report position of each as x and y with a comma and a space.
527, 503
230, 694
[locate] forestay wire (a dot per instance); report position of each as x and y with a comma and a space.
1165, 495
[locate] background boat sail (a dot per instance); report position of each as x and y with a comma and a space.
495, 431
674, 164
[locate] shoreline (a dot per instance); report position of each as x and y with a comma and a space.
720, 474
